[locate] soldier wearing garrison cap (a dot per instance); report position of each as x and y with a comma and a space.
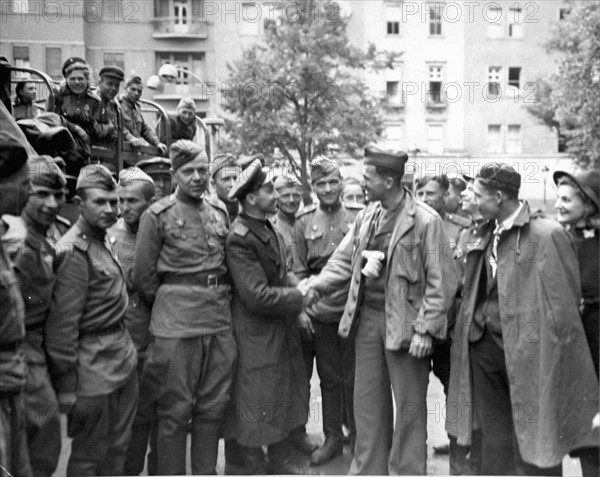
159, 169
183, 124
397, 298
135, 129
289, 192
107, 120
270, 373
318, 231
521, 274
92, 359
14, 190
181, 271
225, 172
33, 257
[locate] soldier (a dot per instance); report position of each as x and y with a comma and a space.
183, 123
353, 192
138, 132
181, 271
456, 185
159, 169
267, 400
91, 356
14, 190
318, 232
136, 193
522, 369
34, 260
24, 106
289, 192
225, 173
398, 302
107, 121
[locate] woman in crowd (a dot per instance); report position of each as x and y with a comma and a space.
577, 207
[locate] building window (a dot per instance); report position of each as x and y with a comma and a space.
115, 59
191, 62
494, 138
494, 77
435, 139
181, 16
393, 28
394, 93
435, 20
21, 60
435, 84
54, 62
495, 27
514, 77
513, 143
515, 22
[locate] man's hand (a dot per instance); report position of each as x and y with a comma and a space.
66, 402
162, 148
310, 298
305, 326
135, 142
374, 264
421, 346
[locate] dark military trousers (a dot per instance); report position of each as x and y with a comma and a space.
383, 446
328, 349
14, 457
42, 420
491, 400
101, 429
145, 424
195, 376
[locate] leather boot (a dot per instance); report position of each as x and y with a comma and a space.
332, 447
205, 447
301, 441
254, 460
282, 462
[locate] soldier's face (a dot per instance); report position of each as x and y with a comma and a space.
192, 178
133, 203
467, 199
353, 193
15, 191
99, 207
224, 181
28, 93
163, 184
109, 87
187, 115
289, 199
43, 204
374, 185
487, 200
266, 198
328, 190
570, 207
451, 199
134, 92
433, 195
77, 81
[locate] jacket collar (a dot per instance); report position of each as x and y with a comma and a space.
88, 231
257, 227
485, 230
405, 219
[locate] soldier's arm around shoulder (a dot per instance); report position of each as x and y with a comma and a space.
66, 310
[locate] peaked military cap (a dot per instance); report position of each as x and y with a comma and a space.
74, 63
95, 176
155, 165
44, 172
245, 161
500, 176
113, 72
184, 151
394, 160
251, 179
323, 167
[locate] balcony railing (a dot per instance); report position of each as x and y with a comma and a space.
193, 90
175, 27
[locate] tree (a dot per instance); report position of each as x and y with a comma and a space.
573, 94
299, 92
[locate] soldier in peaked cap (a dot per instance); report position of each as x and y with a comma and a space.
159, 169
14, 190
270, 373
181, 269
225, 172
318, 231
517, 259
107, 120
33, 256
398, 302
92, 359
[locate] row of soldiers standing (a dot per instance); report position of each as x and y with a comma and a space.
221, 306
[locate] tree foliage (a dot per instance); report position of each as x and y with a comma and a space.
570, 99
299, 91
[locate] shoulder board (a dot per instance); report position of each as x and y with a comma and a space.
216, 203
74, 237
240, 229
306, 210
63, 221
458, 220
162, 205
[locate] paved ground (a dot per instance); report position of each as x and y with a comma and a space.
436, 465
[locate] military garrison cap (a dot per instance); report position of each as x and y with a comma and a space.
95, 176
184, 151
222, 161
394, 160
283, 181
44, 172
323, 167
13, 155
113, 72
133, 174
250, 180
500, 176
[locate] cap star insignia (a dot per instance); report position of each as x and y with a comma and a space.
180, 223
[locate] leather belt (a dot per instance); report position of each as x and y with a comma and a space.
207, 280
